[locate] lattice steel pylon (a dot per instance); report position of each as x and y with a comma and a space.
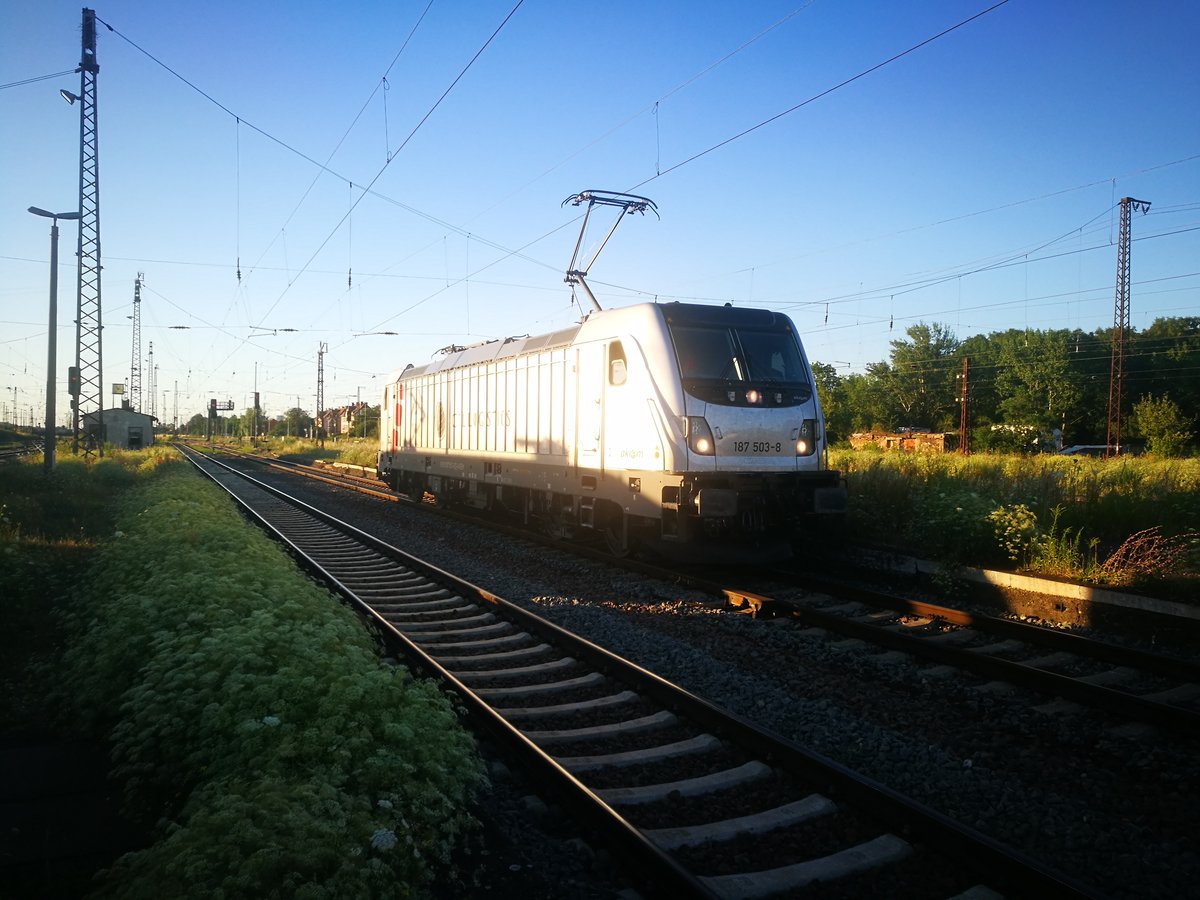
150, 371
321, 393
1116, 373
135, 369
88, 355
964, 429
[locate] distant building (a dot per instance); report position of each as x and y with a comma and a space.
341, 419
123, 428
906, 441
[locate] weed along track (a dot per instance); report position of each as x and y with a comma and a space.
700, 801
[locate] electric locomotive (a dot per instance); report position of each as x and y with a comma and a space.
691, 430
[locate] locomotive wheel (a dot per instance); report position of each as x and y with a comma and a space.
613, 542
557, 525
613, 531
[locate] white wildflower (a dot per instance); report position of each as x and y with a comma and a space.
383, 839
270, 720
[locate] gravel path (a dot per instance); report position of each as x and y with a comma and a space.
1115, 807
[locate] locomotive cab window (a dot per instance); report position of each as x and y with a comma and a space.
772, 356
707, 353
617, 369
741, 365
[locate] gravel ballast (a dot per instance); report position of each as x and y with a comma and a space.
1114, 805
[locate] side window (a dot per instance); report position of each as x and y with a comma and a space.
617, 371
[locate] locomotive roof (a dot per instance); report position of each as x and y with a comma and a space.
728, 315
629, 318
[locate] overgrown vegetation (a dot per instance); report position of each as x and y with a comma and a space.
350, 450
256, 733
1132, 522
49, 532
1048, 386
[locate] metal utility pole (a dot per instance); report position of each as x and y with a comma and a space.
321, 392
88, 356
629, 204
964, 433
135, 370
1116, 375
150, 370
49, 443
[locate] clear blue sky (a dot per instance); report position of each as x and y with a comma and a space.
1007, 141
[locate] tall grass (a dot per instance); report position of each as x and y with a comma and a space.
352, 451
1053, 514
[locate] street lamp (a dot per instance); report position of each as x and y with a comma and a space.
51, 339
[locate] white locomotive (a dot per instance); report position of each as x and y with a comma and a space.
672, 426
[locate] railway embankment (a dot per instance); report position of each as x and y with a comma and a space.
190, 698
1056, 601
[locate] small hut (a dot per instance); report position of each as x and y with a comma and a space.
123, 428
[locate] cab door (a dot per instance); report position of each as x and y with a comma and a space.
589, 405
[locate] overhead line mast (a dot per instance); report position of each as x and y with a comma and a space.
150, 371
88, 355
1116, 376
135, 369
320, 420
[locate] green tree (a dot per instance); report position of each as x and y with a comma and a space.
366, 423
1091, 360
1034, 379
832, 396
919, 381
246, 423
1164, 359
1162, 426
296, 422
867, 403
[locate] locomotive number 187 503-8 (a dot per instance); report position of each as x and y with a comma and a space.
757, 447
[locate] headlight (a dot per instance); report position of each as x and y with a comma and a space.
806, 440
699, 436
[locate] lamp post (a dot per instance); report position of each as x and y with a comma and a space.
51, 339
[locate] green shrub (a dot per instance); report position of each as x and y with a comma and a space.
1016, 530
953, 524
250, 715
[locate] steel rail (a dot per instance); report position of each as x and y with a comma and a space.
1172, 666
1084, 692
667, 877
1127, 704
1016, 870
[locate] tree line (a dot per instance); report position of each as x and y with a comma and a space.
1026, 388
296, 422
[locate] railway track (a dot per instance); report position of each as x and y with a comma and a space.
706, 803
1126, 682
1069, 670
12, 453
